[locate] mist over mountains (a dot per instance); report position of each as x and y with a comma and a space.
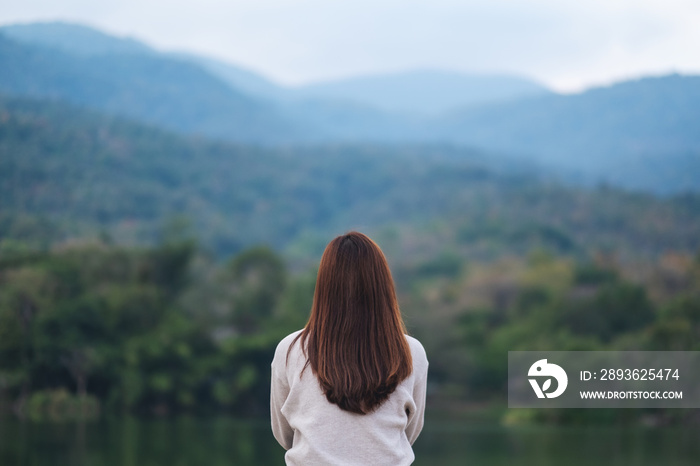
148, 87
643, 133
640, 134
67, 173
418, 92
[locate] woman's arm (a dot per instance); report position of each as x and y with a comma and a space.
420, 369
415, 422
279, 391
281, 429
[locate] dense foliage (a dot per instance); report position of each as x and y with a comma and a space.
85, 173
165, 329
133, 330
101, 307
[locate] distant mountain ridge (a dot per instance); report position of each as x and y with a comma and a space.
417, 92
425, 92
644, 116
74, 39
86, 173
640, 134
171, 93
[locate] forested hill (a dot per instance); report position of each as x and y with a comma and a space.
91, 174
643, 133
423, 92
647, 116
640, 134
159, 90
417, 92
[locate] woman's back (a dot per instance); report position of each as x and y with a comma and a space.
349, 388
316, 431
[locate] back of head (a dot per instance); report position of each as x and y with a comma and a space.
354, 340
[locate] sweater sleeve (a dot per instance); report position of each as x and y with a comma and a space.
415, 424
279, 390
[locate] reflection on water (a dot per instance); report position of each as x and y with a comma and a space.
225, 441
456, 443
139, 442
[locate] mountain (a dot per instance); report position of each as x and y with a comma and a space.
244, 80
416, 92
181, 92
156, 89
74, 39
80, 40
86, 173
423, 92
643, 133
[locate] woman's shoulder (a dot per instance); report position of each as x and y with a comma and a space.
283, 346
420, 359
416, 347
287, 341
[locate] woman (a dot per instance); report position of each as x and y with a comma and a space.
349, 388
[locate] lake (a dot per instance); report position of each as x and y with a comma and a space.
223, 441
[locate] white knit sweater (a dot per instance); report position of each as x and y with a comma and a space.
317, 432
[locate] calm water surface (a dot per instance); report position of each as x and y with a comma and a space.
225, 441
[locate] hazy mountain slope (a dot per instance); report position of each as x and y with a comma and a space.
87, 173
646, 116
417, 92
642, 134
626, 132
424, 92
168, 92
244, 80
74, 39
176, 91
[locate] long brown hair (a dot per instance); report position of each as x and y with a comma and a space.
354, 340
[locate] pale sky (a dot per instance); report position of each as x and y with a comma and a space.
566, 44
